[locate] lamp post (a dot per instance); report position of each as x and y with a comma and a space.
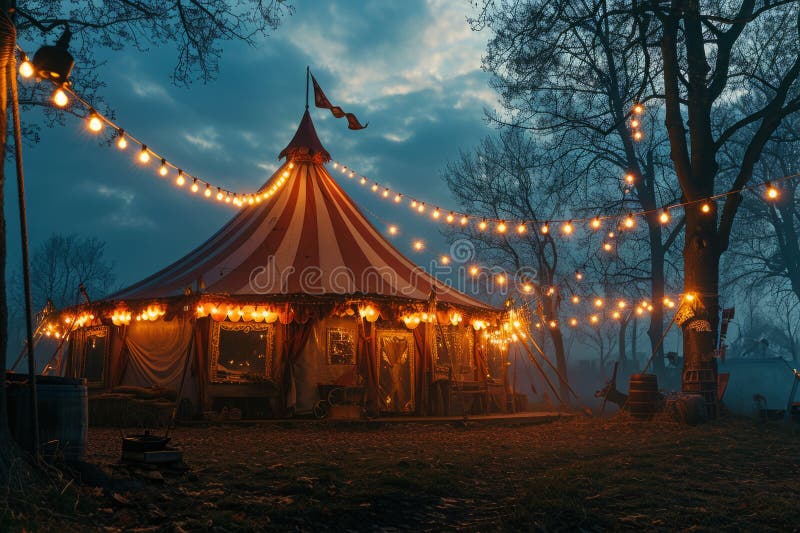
54, 63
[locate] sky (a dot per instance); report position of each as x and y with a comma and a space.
411, 69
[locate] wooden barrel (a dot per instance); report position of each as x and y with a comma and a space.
63, 415
643, 396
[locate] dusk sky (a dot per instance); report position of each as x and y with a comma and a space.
410, 69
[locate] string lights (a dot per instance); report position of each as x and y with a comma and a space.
567, 225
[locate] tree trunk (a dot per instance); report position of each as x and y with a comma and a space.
623, 328
561, 363
657, 282
701, 275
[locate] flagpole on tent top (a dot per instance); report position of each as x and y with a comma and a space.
308, 71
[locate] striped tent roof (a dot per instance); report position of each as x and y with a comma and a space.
306, 238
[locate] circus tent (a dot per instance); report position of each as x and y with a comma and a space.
296, 296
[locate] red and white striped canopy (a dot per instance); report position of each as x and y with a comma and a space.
307, 238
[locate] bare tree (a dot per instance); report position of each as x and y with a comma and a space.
572, 73
503, 179
698, 58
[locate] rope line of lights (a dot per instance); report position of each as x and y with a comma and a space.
96, 123
567, 225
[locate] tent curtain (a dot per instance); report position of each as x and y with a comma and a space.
479, 353
367, 365
424, 366
118, 357
157, 353
294, 340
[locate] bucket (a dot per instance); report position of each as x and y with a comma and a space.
643, 396
63, 418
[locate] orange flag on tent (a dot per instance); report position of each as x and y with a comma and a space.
321, 101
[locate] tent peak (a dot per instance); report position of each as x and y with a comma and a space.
305, 145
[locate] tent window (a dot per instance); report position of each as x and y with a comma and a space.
94, 354
241, 353
341, 347
453, 352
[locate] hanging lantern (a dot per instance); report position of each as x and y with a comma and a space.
54, 62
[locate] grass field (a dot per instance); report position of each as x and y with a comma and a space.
584, 474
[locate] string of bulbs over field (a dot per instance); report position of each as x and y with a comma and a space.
97, 123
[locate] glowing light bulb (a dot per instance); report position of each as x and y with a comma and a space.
689, 297
421, 208
578, 275
553, 324
207, 192
144, 155
573, 322
501, 227
398, 198
95, 124
637, 135
374, 187
772, 192
629, 178
638, 109
419, 246
610, 234
594, 319
521, 229
220, 196
501, 279
386, 193
450, 218
444, 260
705, 208
26, 69
228, 198
414, 203
598, 302
615, 315
575, 299
363, 180
629, 222
392, 230
527, 287
60, 98
482, 225
195, 186
436, 213
463, 221
635, 123
180, 180
163, 168
664, 217
621, 304
567, 228
545, 229
595, 223
607, 247
122, 142
474, 270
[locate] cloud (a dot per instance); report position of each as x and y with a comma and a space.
205, 138
124, 216
150, 89
398, 137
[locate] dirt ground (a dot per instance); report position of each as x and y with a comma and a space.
577, 474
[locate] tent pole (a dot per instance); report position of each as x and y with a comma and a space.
308, 71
